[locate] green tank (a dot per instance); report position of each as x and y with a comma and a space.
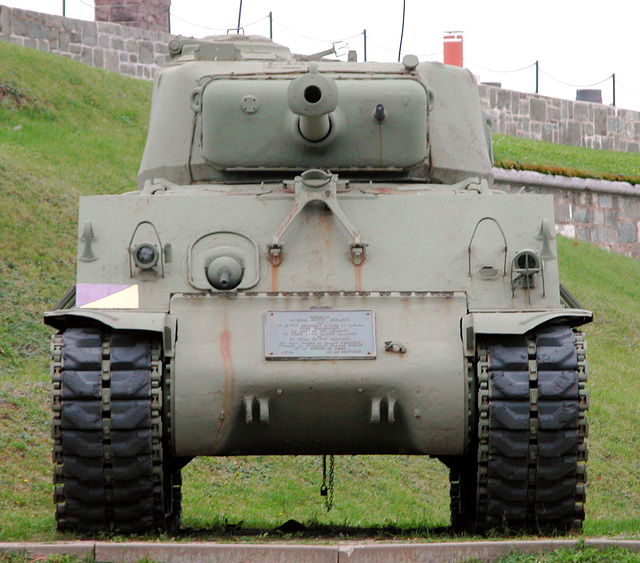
316, 262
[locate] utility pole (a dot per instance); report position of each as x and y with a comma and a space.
537, 74
64, 8
271, 26
239, 15
613, 78
364, 34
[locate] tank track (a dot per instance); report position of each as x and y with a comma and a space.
109, 468
528, 467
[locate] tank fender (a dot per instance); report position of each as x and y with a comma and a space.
156, 321
517, 322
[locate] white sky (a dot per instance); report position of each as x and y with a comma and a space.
577, 43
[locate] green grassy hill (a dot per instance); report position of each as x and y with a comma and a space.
68, 130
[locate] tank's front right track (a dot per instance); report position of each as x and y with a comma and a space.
107, 430
527, 470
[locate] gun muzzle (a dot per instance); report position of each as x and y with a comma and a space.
313, 97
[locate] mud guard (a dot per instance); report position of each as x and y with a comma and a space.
158, 322
518, 322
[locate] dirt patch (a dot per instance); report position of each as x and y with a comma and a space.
13, 96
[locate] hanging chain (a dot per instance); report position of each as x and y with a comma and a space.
326, 490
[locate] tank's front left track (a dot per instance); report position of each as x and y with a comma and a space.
107, 430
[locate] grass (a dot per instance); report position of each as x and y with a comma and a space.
577, 555
67, 130
549, 158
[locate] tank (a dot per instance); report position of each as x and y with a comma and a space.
316, 262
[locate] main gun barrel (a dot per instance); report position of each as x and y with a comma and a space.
313, 97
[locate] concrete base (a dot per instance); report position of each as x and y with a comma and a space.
340, 552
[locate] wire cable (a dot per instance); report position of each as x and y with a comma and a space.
380, 45
404, 9
620, 85
576, 85
315, 38
216, 28
467, 61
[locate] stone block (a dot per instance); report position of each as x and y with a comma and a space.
5, 20
610, 218
19, 27
131, 45
563, 212
51, 33
133, 58
605, 201
570, 133
586, 198
629, 208
104, 40
503, 99
584, 233
98, 57
603, 235
598, 217
547, 133
63, 41
553, 115
87, 55
627, 232
538, 109
145, 52
600, 119
124, 57
581, 215
613, 124
106, 27
75, 37
581, 111
90, 33
112, 61
75, 48
117, 44
128, 69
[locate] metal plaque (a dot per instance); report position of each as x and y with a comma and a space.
319, 334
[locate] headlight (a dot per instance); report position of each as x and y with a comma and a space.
145, 256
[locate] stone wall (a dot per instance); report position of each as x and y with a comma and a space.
582, 124
601, 212
598, 211
146, 14
138, 52
126, 50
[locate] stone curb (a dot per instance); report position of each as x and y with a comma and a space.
530, 177
342, 552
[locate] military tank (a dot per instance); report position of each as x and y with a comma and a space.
316, 262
